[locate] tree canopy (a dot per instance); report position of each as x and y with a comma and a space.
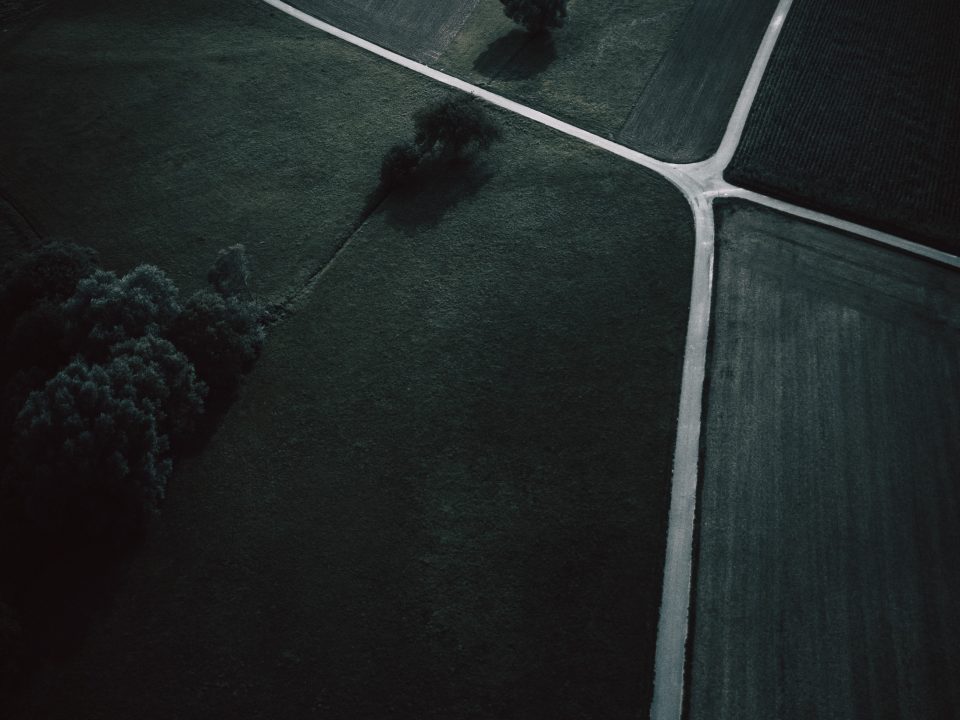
537, 16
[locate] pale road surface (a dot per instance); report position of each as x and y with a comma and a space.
700, 183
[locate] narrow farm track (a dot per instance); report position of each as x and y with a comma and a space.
701, 183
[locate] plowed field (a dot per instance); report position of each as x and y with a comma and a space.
857, 116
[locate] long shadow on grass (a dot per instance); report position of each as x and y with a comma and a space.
437, 188
516, 56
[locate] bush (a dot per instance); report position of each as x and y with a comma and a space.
222, 336
453, 127
537, 16
105, 309
398, 165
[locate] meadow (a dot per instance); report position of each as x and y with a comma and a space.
443, 490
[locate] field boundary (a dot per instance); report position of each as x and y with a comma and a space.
700, 183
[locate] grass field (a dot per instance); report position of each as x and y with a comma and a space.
829, 561
161, 132
856, 116
683, 110
589, 73
443, 491
419, 29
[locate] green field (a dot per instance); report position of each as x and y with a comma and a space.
419, 29
856, 116
684, 109
589, 73
829, 548
443, 490
163, 132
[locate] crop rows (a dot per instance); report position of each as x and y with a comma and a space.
853, 116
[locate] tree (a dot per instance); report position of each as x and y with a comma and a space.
230, 273
537, 16
398, 165
49, 272
90, 459
105, 309
158, 370
454, 126
222, 336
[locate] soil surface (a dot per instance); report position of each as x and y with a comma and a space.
829, 560
684, 108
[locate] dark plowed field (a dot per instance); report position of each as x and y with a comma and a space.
419, 29
857, 116
684, 108
829, 562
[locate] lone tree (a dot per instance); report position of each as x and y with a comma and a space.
449, 129
537, 16
454, 126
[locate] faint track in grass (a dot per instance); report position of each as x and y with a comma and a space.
700, 184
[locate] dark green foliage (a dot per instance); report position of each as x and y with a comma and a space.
90, 458
230, 273
536, 16
222, 336
160, 371
453, 127
50, 272
398, 165
105, 309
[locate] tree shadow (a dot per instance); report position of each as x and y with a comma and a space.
518, 55
437, 188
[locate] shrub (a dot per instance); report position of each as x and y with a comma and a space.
454, 126
105, 309
537, 16
222, 336
398, 165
